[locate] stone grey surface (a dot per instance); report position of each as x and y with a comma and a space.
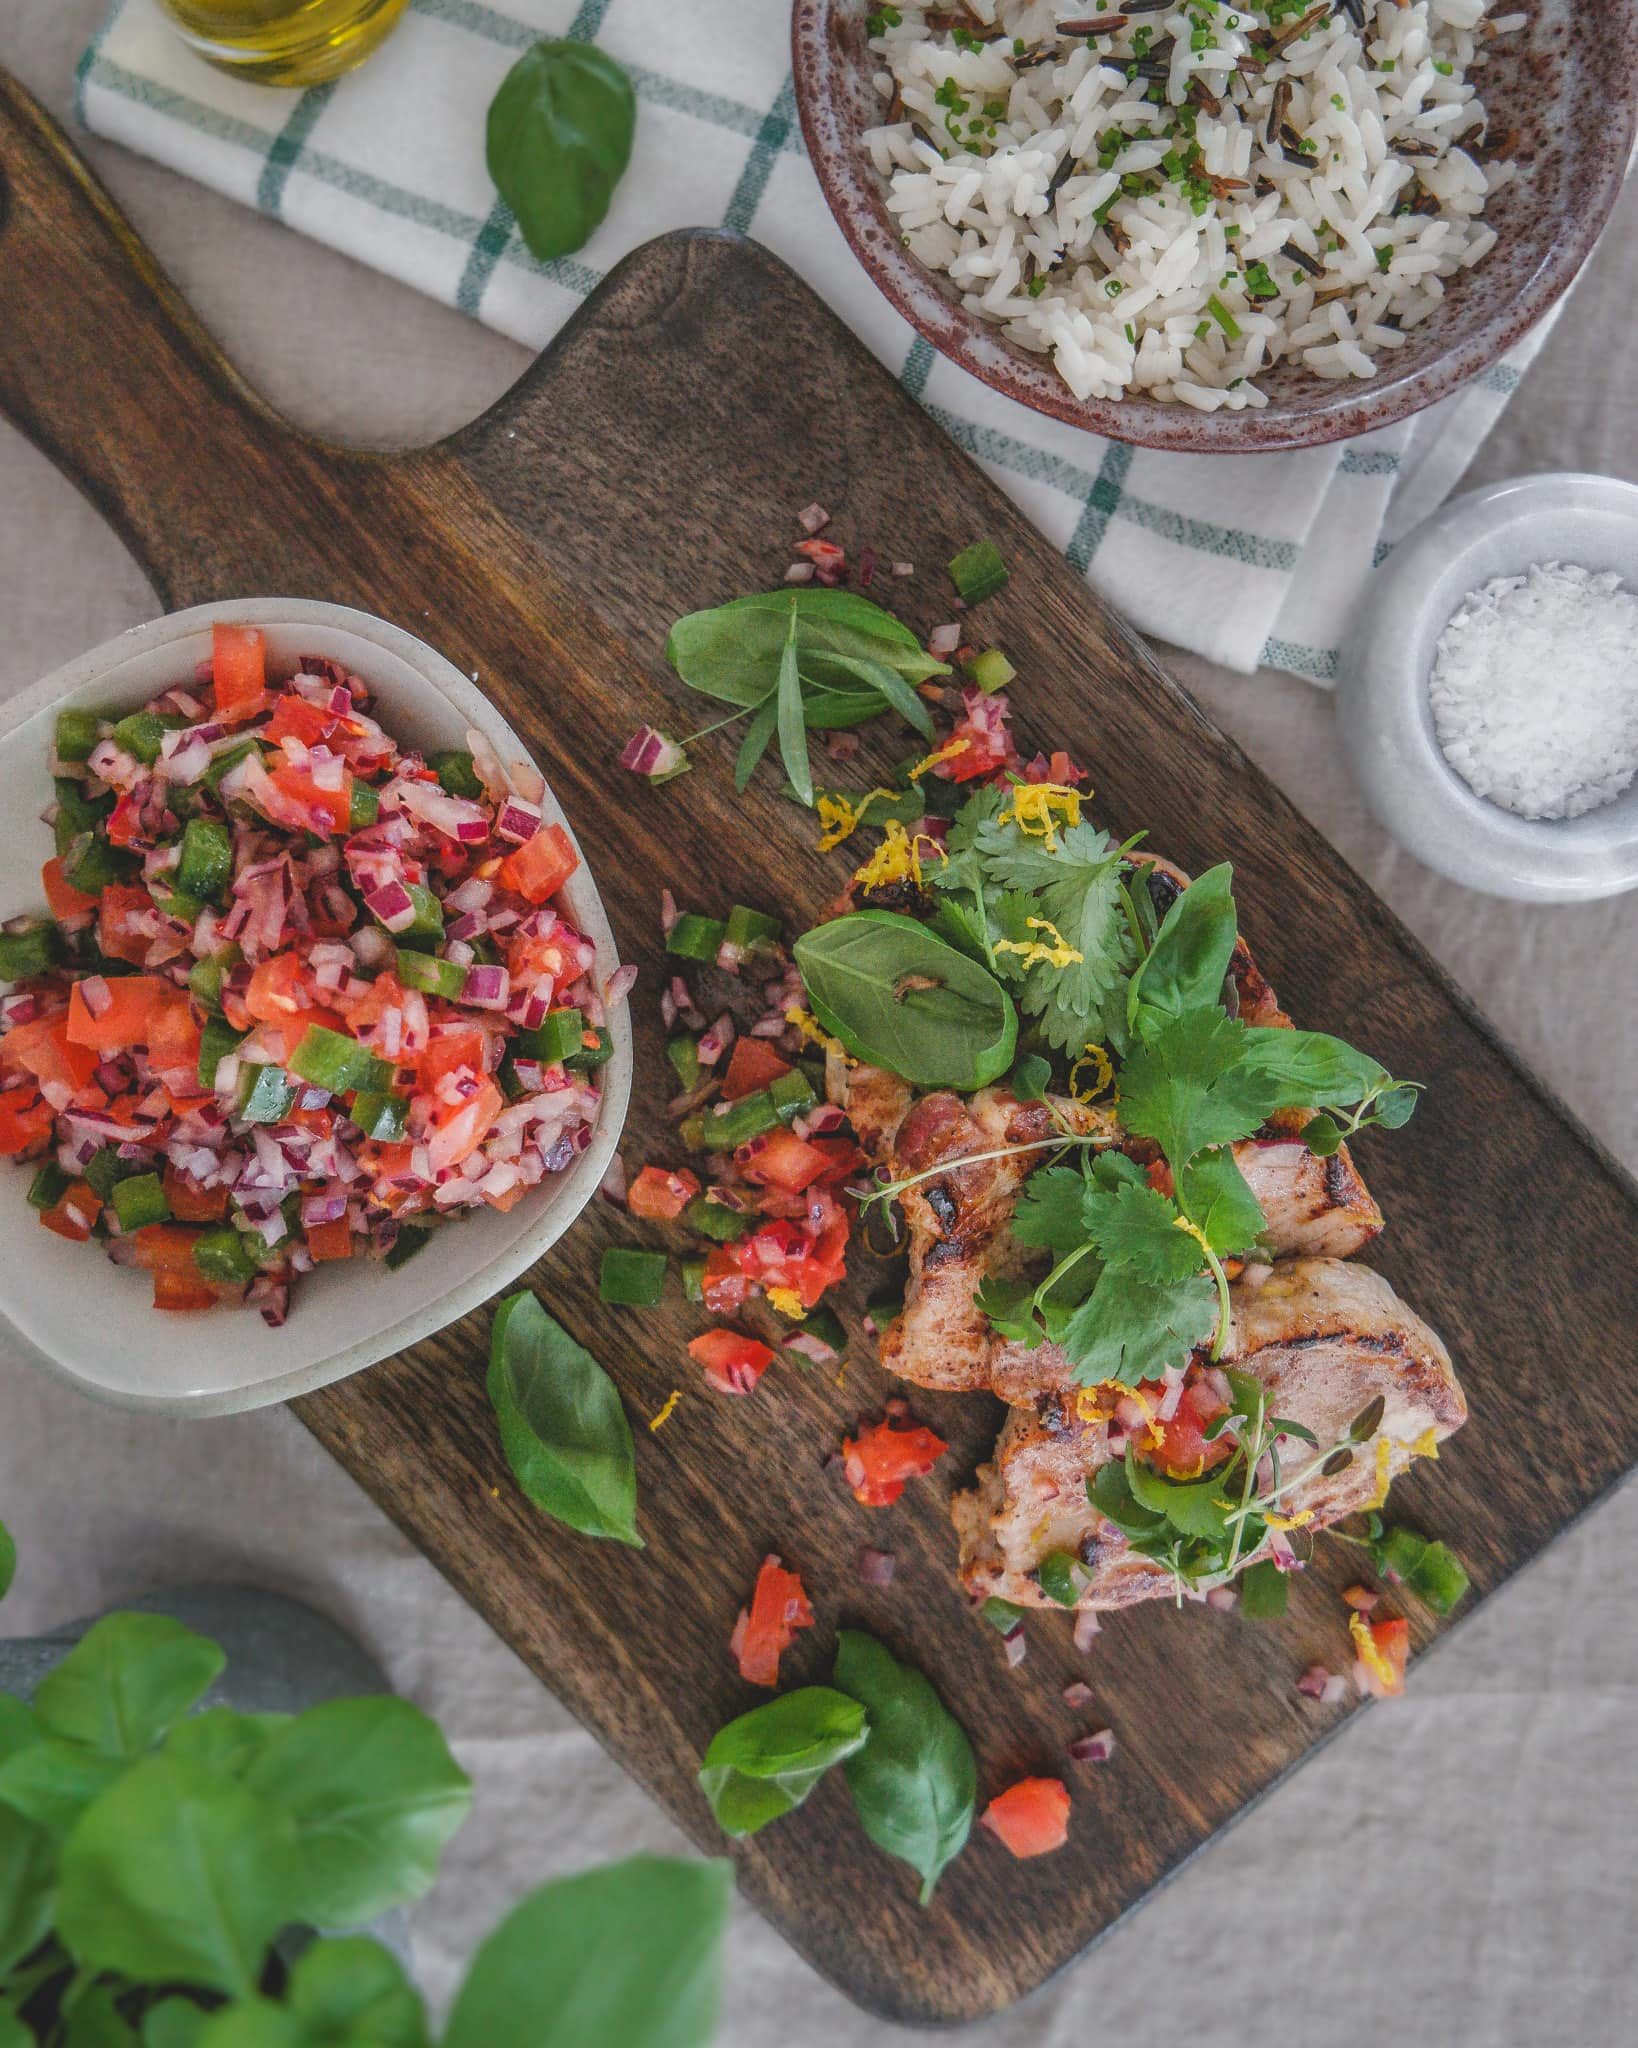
1456, 1872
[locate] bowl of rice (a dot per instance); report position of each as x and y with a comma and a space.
1219, 228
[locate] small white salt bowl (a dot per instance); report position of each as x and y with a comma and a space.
1387, 720
68, 1308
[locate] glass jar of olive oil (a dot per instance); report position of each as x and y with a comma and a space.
284, 42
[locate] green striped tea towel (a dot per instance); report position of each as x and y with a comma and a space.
388, 165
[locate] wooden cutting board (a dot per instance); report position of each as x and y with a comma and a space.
651, 462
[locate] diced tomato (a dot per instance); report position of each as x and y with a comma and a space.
63, 900
724, 1286
779, 1254
277, 989
25, 1121
330, 1240
541, 866
190, 1203
326, 811
448, 1055
459, 1130
295, 718
173, 1039
77, 1208
1384, 1650
733, 1364
132, 1002
238, 666
658, 1196
120, 911
124, 823
365, 1011
45, 1050
1181, 1449
781, 1159
166, 1248
767, 1628
1030, 1818
752, 1064
181, 1291
881, 1458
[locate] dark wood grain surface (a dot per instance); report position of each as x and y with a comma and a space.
650, 462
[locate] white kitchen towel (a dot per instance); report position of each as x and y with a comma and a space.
388, 165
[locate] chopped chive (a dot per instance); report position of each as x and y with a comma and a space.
1224, 318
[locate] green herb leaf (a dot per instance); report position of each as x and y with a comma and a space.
1212, 1193
793, 731
1195, 1507
373, 1794
1135, 1227
915, 1782
174, 1877
52, 1782
1050, 1212
173, 2023
26, 1868
764, 1764
221, 1741
1129, 1330
900, 998
1030, 1078
1010, 1307
1184, 1085
558, 141
1309, 1069
629, 1956
125, 1681
8, 1560
733, 651
1075, 886
755, 743
562, 1427
1265, 1591
95, 2020
1186, 966
1111, 1494
354, 1991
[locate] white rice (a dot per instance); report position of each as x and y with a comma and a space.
1020, 181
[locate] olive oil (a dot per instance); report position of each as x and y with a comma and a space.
284, 42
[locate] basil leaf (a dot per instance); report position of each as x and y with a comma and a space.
173, 1877
732, 651
95, 2021
174, 2023
562, 1427
1128, 1329
26, 1860
793, 731
1265, 1591
354, 1990
1310, 1069
52, 1782
879, 675
1212, 1192
373, 1793
558, 141
18, 1728
221, 1741
628, 1956
8, 1560
125, 1681
1186, 966
860, 972
914, 1783
755, 743
764, 1764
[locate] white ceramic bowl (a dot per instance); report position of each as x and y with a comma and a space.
1382, 692
66, 1306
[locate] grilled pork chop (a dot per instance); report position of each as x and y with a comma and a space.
1325, 1338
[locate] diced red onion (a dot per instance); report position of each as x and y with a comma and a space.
716, 1041
813, 519
1317, 1683
876, 1567
96, 995
1087, 1628
904, 568
943, 640
329, 1207
613, 1184
517, 821
1093, 1749
1224, 1598
1016, 1646
393, 905
651, 753
1078, 1695
828, 1116
800, 572
620, 985
669, 913
471, 924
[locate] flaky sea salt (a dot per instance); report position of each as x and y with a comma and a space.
1535, 690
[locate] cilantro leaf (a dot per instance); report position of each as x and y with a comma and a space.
1136, 1228
1111, 1494
1129, 1330
1010, 1306
1186, 1087
1264, 1592
1049, 1211
1031, 1078
1213, 1194
1194, 1507
1075, 886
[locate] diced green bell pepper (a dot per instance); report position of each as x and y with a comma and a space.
76, 812
411, 1239
266, 1094
216, 1041
48, 1186
30, 950
143, 733
632, 1279
90, 864
749, 928
229, 759
105, 1170
585, 1058
338, 1064
206, 865
791, 1094
727, 1125
226, 1257
713, 1220
454, 769
1002, 1615
554, 1040
140, 1201
379, 1116
205, 977
76, 735
426, 929
1058, 1574
683, 1052
693, 1279
178, 904
978, 572
696, 938
991, 671
363, 804
431, 975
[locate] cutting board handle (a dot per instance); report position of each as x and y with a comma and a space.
101, 363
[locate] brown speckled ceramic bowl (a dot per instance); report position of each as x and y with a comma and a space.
1566, 85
